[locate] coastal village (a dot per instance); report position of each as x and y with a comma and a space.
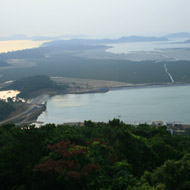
176, 128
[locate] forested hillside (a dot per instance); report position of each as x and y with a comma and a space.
29, 86
105, 156
6, 108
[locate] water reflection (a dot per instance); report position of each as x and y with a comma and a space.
131, 106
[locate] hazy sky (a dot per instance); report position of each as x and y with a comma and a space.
94, 17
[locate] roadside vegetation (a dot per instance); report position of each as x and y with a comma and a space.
29, 87
106, 156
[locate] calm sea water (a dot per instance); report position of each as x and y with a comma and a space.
14, 45
147, 46
129, 105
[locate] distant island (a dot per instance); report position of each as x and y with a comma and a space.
187, 41
78, 38
124, 38
179, 35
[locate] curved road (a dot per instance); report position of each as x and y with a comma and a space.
35, 103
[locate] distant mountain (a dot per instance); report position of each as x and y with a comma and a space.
140, 39
125, 39
42, 38
80, 39
183, 42
187, 41
19, 37
106, 41
71, 36
15, 37
179, 35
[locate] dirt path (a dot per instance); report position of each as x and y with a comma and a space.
166, 70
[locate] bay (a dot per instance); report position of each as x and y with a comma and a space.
126, 48
131, 105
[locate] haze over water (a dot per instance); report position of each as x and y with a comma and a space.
15, 45
135, 105
147, 46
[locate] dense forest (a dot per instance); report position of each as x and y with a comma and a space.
62, 58
106, 156
30, 85
6, 108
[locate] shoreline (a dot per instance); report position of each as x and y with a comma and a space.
124, 87
152, 85
33, 116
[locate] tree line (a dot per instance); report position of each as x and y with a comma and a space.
29, 86
6, 108
97, 156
